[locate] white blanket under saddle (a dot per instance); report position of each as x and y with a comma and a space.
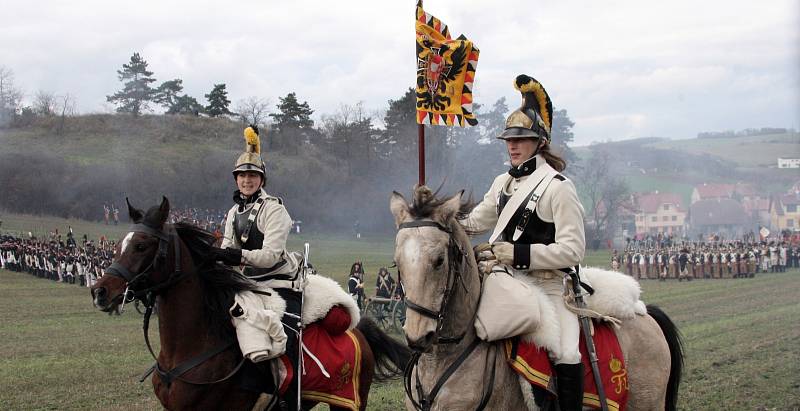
615, 295
259, 329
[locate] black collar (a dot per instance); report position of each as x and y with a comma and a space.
243, 201
524, 169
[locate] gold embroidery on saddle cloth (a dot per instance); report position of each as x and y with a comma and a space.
620, 375
344, 375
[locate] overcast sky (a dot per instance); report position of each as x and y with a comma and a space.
621, 69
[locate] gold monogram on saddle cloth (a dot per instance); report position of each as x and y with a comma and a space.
534, 365
341, 356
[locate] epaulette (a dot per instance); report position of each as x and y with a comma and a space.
560, 177
271, 198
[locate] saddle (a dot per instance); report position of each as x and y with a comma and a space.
331, 352
257, 316
533, 365
616, 296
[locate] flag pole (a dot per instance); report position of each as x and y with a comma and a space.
421, 146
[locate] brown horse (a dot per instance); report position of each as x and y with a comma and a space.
168, 265
452, 369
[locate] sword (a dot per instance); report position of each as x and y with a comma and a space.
303, 272
587, 337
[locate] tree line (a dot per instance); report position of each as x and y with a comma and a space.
332, 172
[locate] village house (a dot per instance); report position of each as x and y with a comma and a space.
660, 213
788, 162
725, 217
784, 212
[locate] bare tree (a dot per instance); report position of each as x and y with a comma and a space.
44, 103
253, 110
352, 136
10, 96
606, 195
66, 106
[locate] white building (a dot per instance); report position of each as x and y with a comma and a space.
788, 162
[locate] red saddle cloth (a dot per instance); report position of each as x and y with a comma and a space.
533, 364
339, 352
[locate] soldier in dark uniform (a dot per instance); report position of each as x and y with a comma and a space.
683, 265
256, 230
384, 284
538, 237
355, 284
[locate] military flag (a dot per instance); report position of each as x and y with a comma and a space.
445, 73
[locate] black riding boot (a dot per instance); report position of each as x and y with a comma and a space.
294, 306
569, 379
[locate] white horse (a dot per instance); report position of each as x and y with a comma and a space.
456, 371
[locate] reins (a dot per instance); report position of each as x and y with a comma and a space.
426, 401
147, 296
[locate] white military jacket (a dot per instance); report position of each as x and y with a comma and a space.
275, 223
559, 204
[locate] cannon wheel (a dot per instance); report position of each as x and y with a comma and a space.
377, 311
399, 315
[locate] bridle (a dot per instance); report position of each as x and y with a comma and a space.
147, 295
456, 262
148, 298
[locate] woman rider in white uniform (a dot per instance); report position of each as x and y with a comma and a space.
548, 239
256, 230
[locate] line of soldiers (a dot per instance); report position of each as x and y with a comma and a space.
57, 260
700, 260
212, 220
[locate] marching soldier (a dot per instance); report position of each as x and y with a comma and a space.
537, 238
683, 265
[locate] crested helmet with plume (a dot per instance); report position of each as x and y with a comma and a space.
251, 159
534, 118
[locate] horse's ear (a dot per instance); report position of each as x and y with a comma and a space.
449, 209
163, 210
399, 207
134, 214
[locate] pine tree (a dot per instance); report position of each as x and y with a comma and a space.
561, 135
292, 114
167, 93
218, 101
187, 105
137, 93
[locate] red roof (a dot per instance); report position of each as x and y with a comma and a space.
746, 190
761, 204
650, 202
710, 191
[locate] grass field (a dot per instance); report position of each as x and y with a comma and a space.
742, 337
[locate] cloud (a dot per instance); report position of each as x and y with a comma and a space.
622, 69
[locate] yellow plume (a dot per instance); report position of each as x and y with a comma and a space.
252, 140
533, 86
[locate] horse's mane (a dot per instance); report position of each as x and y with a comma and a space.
426, 202
219, 282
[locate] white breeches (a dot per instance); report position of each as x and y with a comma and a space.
567, 320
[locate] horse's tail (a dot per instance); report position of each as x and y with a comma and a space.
391, 356
673, 337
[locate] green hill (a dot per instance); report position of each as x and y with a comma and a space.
676, 166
